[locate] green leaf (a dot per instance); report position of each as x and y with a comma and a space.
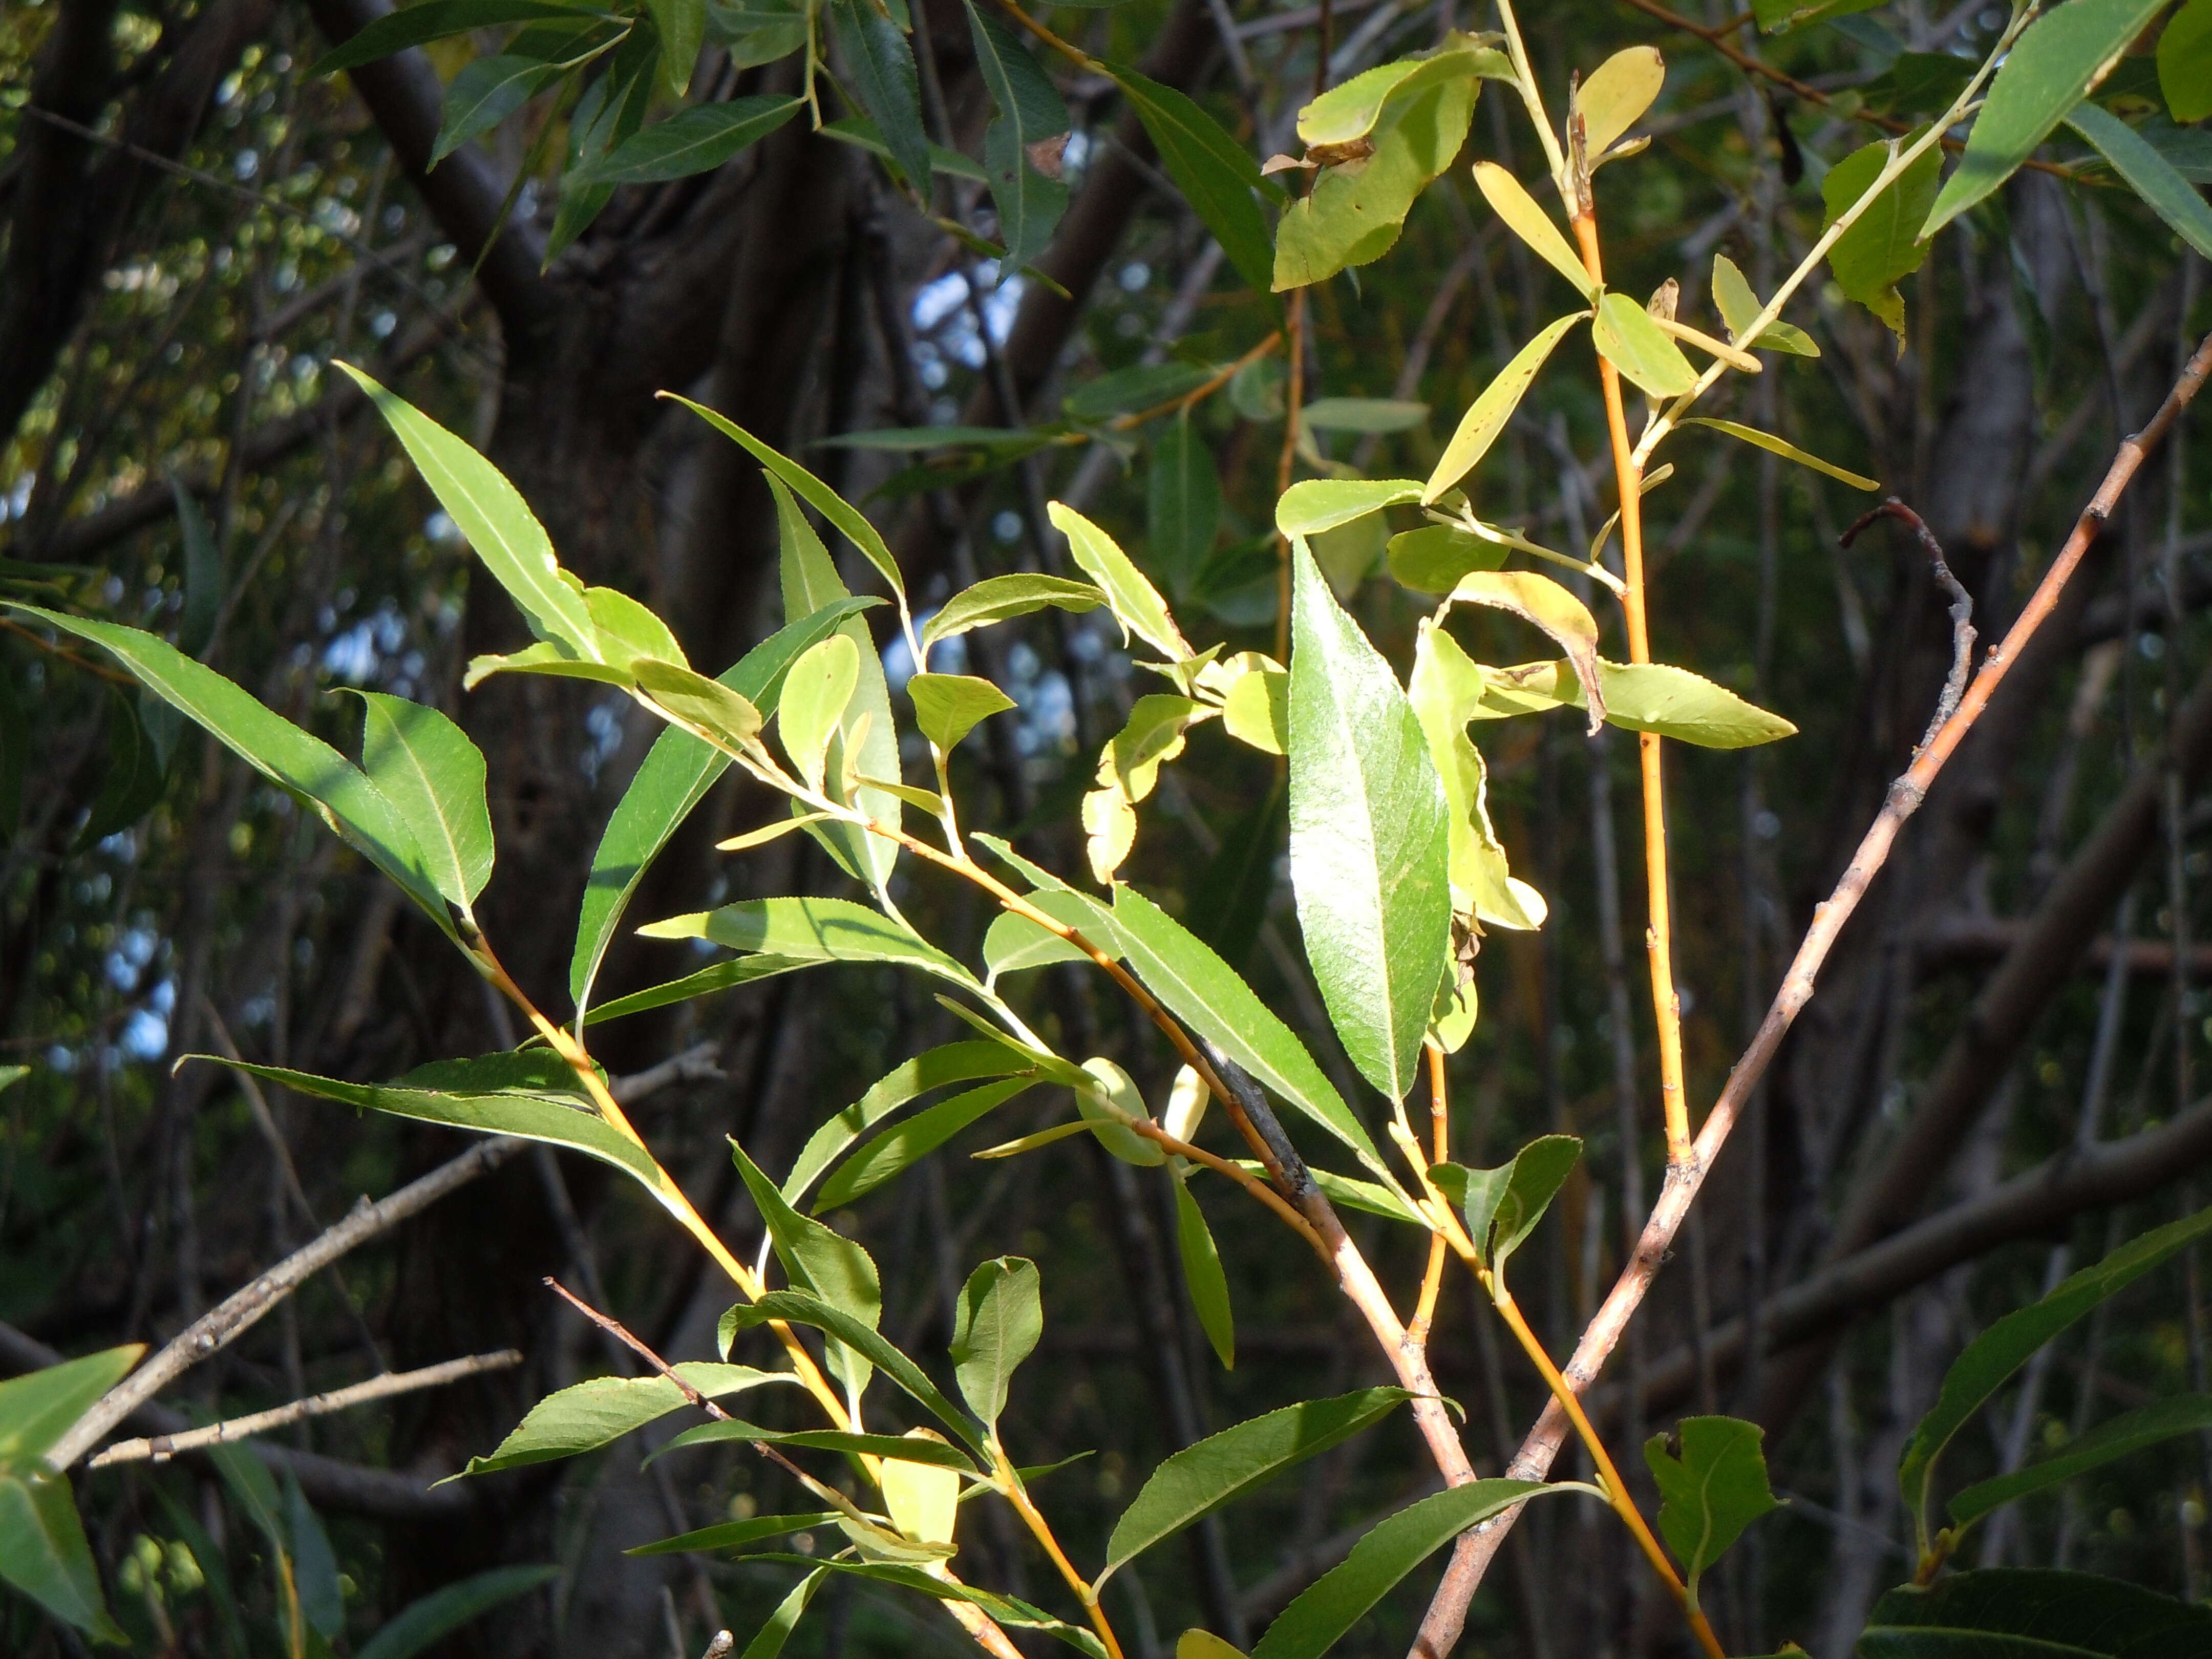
997, 599
1014, 942
1003, 1609
1368, 838
1315, 505
1638, 697
767, 1642
1711, 1492
995, 1327
1230, 903
1256, 709
1137, 603
1627, 337
1444, 692
1183, 493
498, 523
1511, 200
1202, 1276
1543, 603
2002, 1349
1353, 214
2185, 62
2012, 1613
1503, 1206
1352, 108
2154, 177
39, 1407
719, 977
2105, 1443
891, 1153
44, 1554
955, 1062
204, 580
814, 930
1788, 452
629, 630
808, 488
821, 1261
1031, 112
885, 80
1740, 308
297, 762
1134, 390
585, 1416
730, 1535
1205, 1645
1215, 174
948, 706
1432, 559
706, 704
435, 20
1615, 96
2060, 57
1885, 243
683, 26
315, 1567
612, 110
434, 777
1329, 1608
815, 693
421, 1624
1487, 416
137, 772
694, 140
1108, 1100
484, 93
1192, 1484
861, 133
1198, 988
1363, 415
936, 1454
797, 1308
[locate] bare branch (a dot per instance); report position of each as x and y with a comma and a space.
239, 1312
163, 1447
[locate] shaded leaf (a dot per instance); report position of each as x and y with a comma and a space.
891, 1153
1432, 559
1885, 243
1134, 390
1029, 113
730, 1535
1211, 169
435, 20
1334, 1602
719, 977
421, 1624
1715, 1488
1183, 493
484, 93
2012, 1614
1740, 308
885, 79
934, 1452
2154, 177
44, 1554
955, 1062
37, 1409
1366, 414
797, 1308
1192, 1484
1368, 839
2105, 1443
694, 140
2185, 62
1991, 1357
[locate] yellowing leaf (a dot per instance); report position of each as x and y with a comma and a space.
1541, 600
1627, 339
1616, 95
1512, 204
1488, 416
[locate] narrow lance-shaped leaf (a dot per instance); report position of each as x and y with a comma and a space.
1193, 1483
1183, 494
1710, 1492
815, 1257
995, 1327
585, 1416
1488, 416
39, 1408
2014, 1614
2000, 1351
933, 1452
486, 92
2060, 57
1368, 838
435, 20
675, 777
1647, 697
2154, 177
881, 63
2164, 1419
1788, 451
696, 140
731, 1534
1201, 1273
1328, 1608
906, 1143
44, 1554
498, 523
294, 760
1137, 603
683, 27
1031, 115
1211, 169
1511, 200
818, 929
934, 1068
797, 1308
421, 1624
434, 777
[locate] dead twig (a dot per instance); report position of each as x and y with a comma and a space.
163, 1447
1962, 607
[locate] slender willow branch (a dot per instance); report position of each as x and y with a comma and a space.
163, 1447
1433, 1277
1448, 1610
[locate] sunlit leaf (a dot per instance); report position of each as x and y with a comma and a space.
1353, 215
1202, 1276
1511, 200
997, 599
1616, 95
906, 1142
1788, 451
813, 929
797, 1308
1488, 416
1544, 603
585, 1416
1503, 1206
434, 776
995, 1327
1627, 337
948, 706
1137, 603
